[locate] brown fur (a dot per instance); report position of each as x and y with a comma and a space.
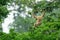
38, 19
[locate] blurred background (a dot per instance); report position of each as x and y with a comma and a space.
16, 21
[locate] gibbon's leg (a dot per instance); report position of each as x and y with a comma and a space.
34, 16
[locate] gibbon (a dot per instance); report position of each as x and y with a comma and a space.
38, 19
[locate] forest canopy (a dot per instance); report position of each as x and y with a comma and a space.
22, 28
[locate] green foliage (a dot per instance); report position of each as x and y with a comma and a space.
52, 13
43, 32
3, 12
48, 30
3, 2
22, 25
3, 9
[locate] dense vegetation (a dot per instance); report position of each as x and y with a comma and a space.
48, 30
3, 9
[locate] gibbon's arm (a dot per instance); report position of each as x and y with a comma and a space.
33, 15
38, 17
41, 16
43, 13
